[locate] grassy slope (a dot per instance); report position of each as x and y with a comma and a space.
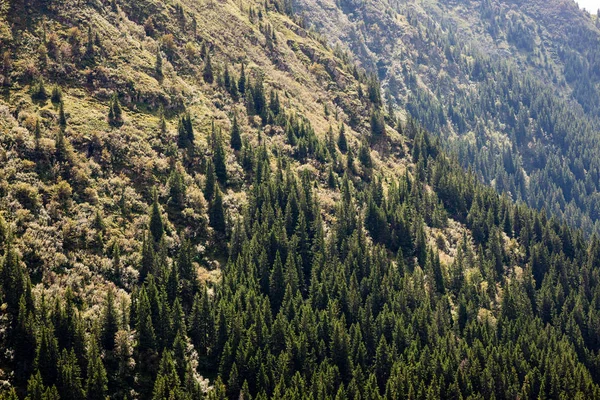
56, 232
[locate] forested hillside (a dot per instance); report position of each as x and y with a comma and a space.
202, 199
512, 87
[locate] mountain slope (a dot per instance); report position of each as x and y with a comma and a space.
512, 87
205, 200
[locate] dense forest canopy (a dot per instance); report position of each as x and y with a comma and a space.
205, 200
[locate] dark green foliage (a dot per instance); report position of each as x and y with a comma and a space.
156, 222
39, 91
211, 181
176, 190
96, 384
185, 132
377, 125
364, 156
370, 286
158, 65
109, 322
219, 158
62, 119
115, 114
207, 72
69, 382
342, 141
236, 138
56, 97
216, 213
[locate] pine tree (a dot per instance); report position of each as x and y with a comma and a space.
219, 159
148, 262
185, 132
110, 324
364, 155
144, 326
211, 181
56, 96
158, 65
207, 73
216, 214
377, 125
46, 359
35, 387
156, 223
242, 82
276, 283
97, 381
69, 376
89, 47
115, 114
13, 279
236, 138
62, 119
167, 384
176, 190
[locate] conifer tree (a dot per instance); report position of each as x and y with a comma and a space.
216, 213
364, 155
97, 381
158, 65
242, 81
13, 279
219, 159
236, 138
115, 114
56, 97
377, 125
156, 222
207, 72
46, 360
276, 283
176, 190
62, 119
110, 324
69, 376
89, 47
148, 262
211, 181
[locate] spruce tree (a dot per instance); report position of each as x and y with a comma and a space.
216, 213
97, 381
62, 119
158, 65
89, 47
211, 181
219, 159
207, 72
115, 114
242, 82
276, 283
236, 138
342, 143
176, 190
69, 376
110, 324
156, 222
56, 97
46, 360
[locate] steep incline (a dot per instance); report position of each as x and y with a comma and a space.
512, 87
204, 200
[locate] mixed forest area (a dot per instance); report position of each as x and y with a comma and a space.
206, 199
